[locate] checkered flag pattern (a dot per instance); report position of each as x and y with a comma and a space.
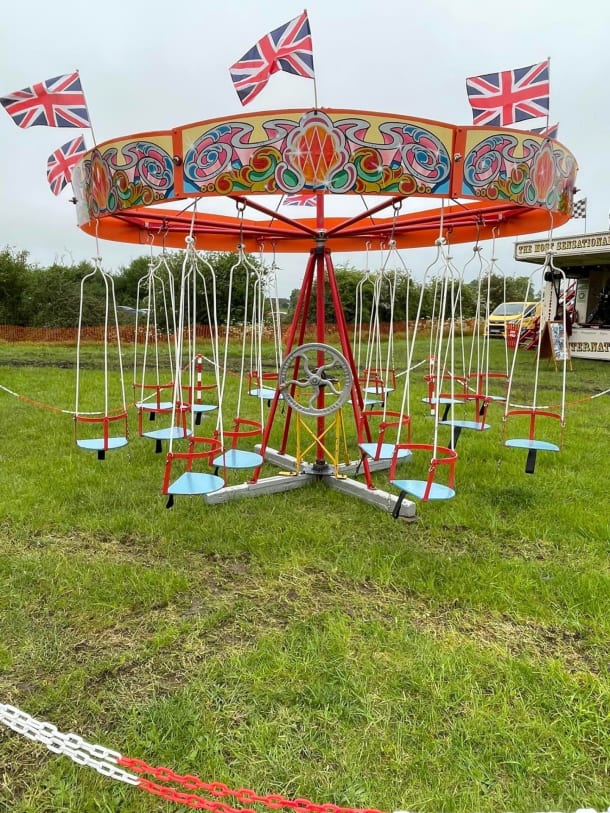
579, 208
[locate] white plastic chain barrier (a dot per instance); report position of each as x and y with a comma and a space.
101, 759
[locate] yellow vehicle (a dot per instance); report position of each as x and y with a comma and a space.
524, 313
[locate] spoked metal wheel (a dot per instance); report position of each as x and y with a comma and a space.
313, 369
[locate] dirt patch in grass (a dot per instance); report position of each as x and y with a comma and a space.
509, 636
232, 608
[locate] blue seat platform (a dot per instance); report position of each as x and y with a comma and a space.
478, 427
100, 445
526, 443
153, 406
237, 459
168, 432
193, 483
201, 409
444, 399
457, 427
378, 390
263, 392
158, 435
417, 488
533, 446
386, 451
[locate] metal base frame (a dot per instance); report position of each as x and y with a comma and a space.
310, 474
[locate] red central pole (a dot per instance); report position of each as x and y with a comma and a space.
320, 315
320, 270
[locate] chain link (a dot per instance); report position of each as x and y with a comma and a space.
103, 760
244, 796
107, 762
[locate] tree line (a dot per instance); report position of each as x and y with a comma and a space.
36, 296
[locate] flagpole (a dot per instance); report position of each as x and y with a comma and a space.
88, 113
548, 112
315, 86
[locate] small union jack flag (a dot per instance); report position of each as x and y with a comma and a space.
61, 162
300, 199
287, 48
501, 99
57, 102
547, 132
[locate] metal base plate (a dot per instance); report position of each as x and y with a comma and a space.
291, 480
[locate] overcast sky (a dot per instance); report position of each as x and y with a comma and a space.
155, 65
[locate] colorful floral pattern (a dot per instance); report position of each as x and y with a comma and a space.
319, 151
137, 174
522, 169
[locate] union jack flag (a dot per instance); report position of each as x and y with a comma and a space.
547, 132
57, 102
300, 199
61, 162
287, 48
501, 99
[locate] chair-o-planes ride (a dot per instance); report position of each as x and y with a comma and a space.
491, 183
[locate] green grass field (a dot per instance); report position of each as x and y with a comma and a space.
305, 643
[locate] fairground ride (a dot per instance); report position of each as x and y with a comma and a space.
487, 182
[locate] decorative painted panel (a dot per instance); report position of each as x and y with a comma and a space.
118, 175
334, 151
522, 168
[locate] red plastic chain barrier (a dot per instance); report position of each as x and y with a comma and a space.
273, 801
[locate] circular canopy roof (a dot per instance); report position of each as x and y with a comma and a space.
490, 181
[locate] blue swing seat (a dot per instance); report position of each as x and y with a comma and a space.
153, 406
176, 432
202, 408
101, 445
238, 459
417, 488
266, 393
478, 427
193, 483
383, 451
531, 443
442, 400
428, 489
527, 443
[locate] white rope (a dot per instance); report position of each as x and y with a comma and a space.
150, 287
110, 309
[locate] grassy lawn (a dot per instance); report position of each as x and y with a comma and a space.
305, 643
